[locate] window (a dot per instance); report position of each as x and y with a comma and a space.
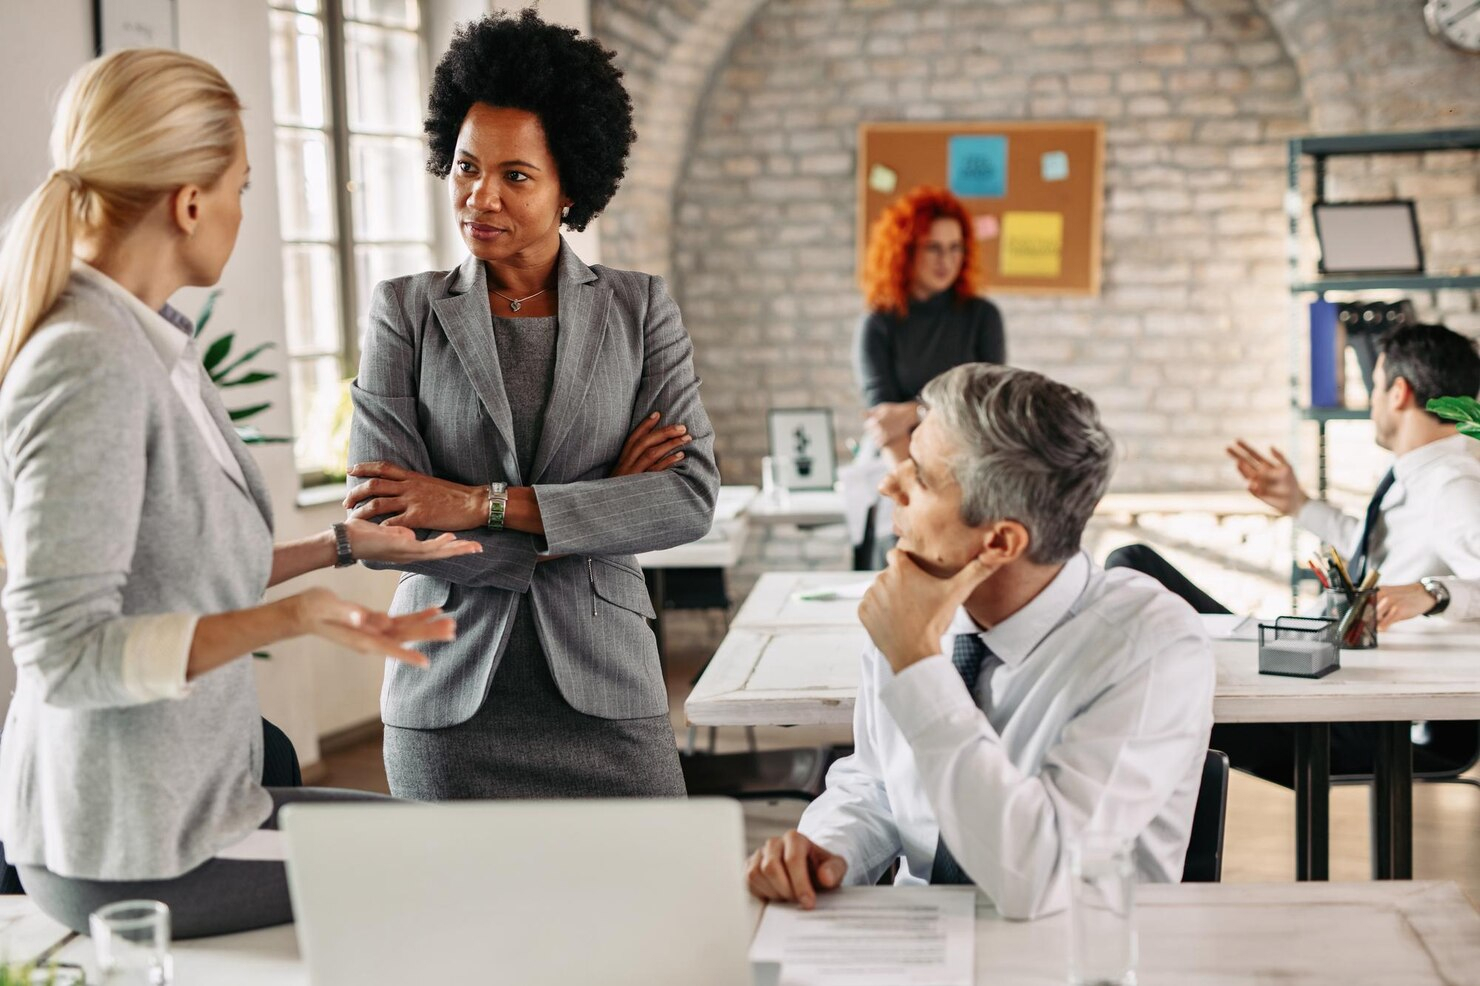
354, 198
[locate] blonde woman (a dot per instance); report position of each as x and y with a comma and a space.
136, 527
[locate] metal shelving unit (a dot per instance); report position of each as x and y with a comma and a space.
1318, 150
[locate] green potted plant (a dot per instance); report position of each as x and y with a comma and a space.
219, 365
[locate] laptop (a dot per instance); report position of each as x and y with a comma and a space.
535, 893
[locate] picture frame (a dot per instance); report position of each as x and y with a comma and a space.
802, 447
1368, 237
119, 24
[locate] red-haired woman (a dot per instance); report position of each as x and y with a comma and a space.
925, 317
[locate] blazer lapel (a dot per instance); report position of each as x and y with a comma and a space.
466, 319
256, 487
583, 311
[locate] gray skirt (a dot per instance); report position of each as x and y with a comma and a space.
526, 741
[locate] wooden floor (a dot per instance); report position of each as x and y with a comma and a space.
1259, 845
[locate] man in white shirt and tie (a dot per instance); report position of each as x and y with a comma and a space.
1422, 523
1016, 695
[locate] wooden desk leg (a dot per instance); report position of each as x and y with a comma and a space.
1392, 803
1312, 801
656, 591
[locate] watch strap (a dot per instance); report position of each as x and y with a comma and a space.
498, 504
344, 555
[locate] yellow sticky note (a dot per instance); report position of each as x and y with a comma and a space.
1032, 244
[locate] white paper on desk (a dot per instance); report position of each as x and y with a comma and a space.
853, 590
1232, 627
873, 936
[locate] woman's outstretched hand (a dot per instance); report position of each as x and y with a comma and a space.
398, 545
321, 613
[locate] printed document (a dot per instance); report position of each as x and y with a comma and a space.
873, 936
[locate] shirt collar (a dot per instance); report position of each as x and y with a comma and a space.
1411, 463
168, 331
1016, 637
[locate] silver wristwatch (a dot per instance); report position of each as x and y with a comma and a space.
498, 503
1439, 591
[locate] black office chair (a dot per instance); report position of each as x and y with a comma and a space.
1204, 863
761, 776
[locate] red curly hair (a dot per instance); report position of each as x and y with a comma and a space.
894, 238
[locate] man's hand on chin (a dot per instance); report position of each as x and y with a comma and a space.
907, 609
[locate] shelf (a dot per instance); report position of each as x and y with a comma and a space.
1391, 143
1334, 413
1391, 282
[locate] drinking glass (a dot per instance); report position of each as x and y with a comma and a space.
132, 940
1102, 918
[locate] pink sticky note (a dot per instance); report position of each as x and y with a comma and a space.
986, 227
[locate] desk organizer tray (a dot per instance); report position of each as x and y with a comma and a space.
1299, 647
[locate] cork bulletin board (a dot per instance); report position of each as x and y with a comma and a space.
1035, 191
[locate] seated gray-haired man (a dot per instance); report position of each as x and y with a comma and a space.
1016, 694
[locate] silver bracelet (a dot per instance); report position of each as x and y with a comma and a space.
344, 555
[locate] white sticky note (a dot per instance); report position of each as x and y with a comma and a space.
1055, 166
883, 179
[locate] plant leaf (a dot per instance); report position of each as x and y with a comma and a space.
205, 312
1455, 408
255, 350
243, 413
257, 376
217, 351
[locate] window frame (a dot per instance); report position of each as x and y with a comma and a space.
339, 135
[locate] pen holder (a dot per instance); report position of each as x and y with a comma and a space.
1356, 618
1299, 646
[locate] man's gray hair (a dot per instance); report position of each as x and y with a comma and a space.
1031, 450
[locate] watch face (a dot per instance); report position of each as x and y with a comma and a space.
1456, 21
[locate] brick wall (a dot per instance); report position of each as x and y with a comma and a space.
743, 188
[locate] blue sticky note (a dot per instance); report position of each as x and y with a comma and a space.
978, 167
1055, 166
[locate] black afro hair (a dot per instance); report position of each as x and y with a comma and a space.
569, 82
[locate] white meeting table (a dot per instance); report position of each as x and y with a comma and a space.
790, 662
1211, 934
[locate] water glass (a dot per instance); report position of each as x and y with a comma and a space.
132, 940
773, 487
1102, 918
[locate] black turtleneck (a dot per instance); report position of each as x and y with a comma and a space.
894, 358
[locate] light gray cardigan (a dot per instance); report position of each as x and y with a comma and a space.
430, 397
113, 507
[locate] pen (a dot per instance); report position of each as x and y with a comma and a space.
1319, 575
1346, 578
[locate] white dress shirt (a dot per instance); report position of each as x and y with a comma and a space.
1429, 524
1096, 719
158, 648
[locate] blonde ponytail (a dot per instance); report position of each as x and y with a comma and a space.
130, 128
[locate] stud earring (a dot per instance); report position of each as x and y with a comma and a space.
565, 212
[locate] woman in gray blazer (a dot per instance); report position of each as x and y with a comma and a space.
547, 410
136, 527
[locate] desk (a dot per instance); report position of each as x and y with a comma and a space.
1209, 934
789, 663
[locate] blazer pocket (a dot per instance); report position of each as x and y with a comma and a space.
619, 586
418, 592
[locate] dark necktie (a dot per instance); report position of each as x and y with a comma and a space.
1358, 566
971, 657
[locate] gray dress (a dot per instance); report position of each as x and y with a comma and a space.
525, 740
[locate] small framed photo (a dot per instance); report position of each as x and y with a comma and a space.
134, 24
801, 443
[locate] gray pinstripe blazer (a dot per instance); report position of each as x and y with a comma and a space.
430, 397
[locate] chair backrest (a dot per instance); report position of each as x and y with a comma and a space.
1204, 863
